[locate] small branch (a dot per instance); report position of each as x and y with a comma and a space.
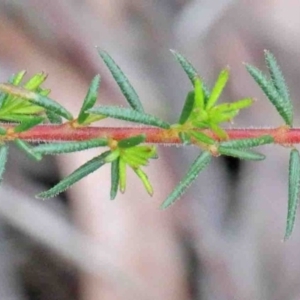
282, 135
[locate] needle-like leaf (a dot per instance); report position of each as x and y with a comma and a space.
129, 114
248, 143
28, 149
284, 108
123, 82
132, 141
198, 165
68, 147
3, 159
187, 108
114, 179
218, 88
294, 182
242, 154
90, 99
190, 71
86, 169
278, 78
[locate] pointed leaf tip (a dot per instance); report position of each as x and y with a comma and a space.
86, 169
122, 81
199, 164
294, 182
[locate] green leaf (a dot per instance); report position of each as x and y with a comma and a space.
219, 117
113, 155
199, 164
134, 160
190, 71
28, 149
17, 78
277, 78
122, 175
3, 159
294, 182
123, 82
37, 99
90, 99
284, 108
227, 107
92, 118
218, 131
242, 154
53, 118
129, 114
68, 147
202, 137
31, 122
187, 108
248, 143
132, 141
218, 88
86, 169
144, 178
35, 81
114, 179
199, 97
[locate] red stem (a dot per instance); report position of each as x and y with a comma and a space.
282, 135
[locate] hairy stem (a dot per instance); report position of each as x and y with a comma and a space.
282, 135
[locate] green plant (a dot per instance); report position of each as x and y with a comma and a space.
28, 115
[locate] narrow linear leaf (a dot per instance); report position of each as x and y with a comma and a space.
129, 114
199, 164
122, 175
122, 81
199, 97
218, 131
17, 78
190, 71
218, 88
3, 159
90, 99
219, 117
28, 149
294, 182
113, 155
132, 141
36, 99
248, 143
202, 137
144, 178
35, 81
68, 147
187, 108
86, 169
114, 179
242, 154
227, 107
32, 121
53, 118
134, 160
284, 108
277, 77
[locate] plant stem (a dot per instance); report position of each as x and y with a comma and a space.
282, 135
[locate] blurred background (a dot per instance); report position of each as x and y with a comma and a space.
223, 240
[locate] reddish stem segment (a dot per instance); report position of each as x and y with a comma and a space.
282, 135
